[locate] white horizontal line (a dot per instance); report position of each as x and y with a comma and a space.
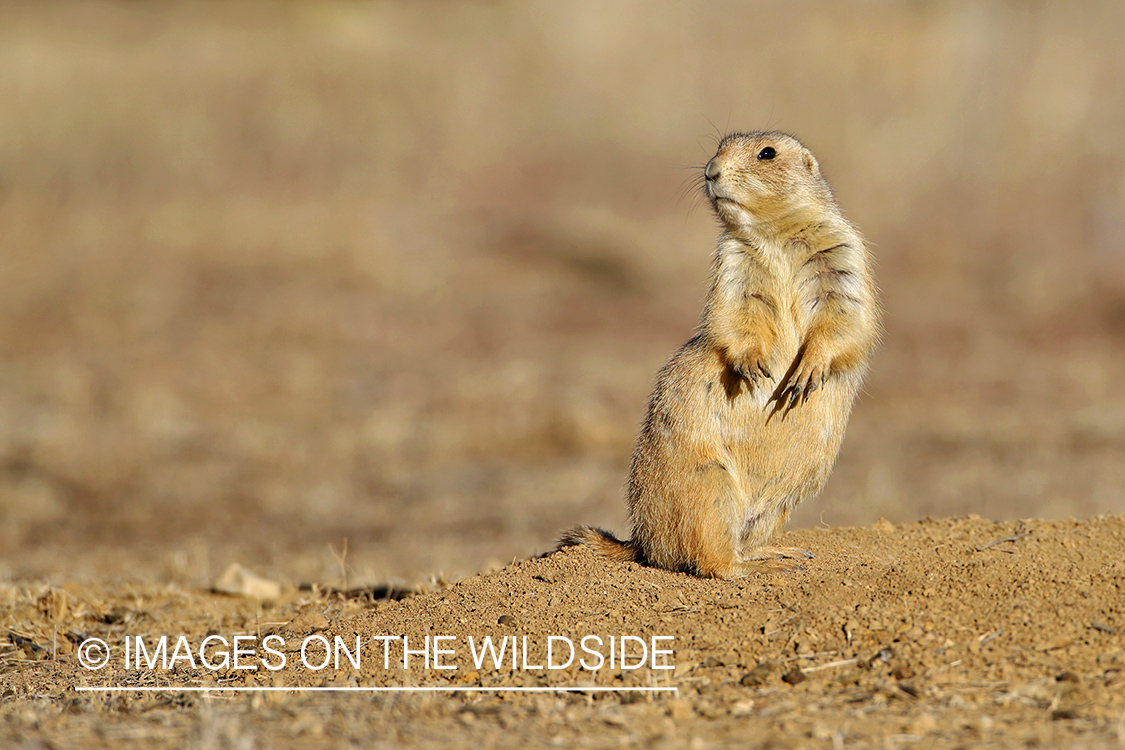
451, 689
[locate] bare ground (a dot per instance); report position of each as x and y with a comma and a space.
940, 633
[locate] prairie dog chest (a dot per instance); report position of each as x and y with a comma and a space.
755, 283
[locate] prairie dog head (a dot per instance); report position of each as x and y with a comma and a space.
765, 178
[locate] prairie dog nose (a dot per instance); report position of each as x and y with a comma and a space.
711, 171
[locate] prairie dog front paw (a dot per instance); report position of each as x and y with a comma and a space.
808, 372
751, 364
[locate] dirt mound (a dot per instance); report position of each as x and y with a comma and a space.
955, 633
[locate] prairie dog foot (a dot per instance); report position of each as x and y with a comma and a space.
776, 553
769, 559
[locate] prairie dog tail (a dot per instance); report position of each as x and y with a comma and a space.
601, 541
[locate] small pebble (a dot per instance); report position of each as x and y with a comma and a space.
794, 676
757, 676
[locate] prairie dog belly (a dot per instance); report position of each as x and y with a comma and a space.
774, 459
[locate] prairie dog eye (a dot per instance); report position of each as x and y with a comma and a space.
767, 153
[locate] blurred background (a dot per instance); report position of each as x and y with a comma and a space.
388, 283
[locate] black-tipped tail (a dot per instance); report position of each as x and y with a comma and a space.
601, 541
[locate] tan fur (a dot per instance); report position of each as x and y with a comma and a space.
746, 419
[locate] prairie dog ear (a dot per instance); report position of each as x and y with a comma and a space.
810, 163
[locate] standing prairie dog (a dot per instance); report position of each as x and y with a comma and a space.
746, 419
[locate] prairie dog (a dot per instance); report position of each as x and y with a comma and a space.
746, 419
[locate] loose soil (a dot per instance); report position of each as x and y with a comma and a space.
942, 633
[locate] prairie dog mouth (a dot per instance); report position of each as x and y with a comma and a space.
723, 200
716, 194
